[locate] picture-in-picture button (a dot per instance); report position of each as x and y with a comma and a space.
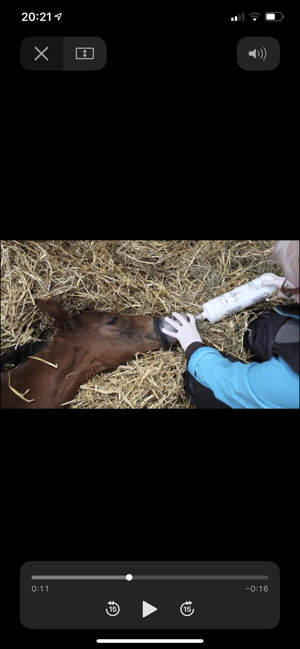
258, 53
84, 53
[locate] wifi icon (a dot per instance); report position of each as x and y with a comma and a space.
255, 15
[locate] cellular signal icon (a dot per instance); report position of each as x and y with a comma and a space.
239, 17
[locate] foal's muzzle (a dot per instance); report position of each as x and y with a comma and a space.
160, 324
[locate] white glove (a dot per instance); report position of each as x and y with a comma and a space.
186, 332
277, 281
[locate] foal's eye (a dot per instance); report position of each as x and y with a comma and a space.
112, 321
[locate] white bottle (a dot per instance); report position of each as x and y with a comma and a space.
238, 299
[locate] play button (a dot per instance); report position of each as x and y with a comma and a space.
148, 609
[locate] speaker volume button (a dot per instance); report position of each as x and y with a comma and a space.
258, 53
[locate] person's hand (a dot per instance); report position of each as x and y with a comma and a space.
276, 281
186, 331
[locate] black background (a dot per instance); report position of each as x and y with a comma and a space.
161, 485
171, 127
171, 120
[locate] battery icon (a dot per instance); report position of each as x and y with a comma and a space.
274, 17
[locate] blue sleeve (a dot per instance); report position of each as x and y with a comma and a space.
271, 384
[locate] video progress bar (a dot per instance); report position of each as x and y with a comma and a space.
150, 641
150, 577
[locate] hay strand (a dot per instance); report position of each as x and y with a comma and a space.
21, 396
36, 358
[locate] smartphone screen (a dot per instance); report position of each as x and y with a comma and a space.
124, 106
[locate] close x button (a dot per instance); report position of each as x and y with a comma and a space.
258, 53
52, 57
68, 53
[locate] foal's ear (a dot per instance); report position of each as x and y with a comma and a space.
63, 319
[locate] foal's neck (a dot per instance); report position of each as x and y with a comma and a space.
74, 367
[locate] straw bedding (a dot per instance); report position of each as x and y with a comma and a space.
137, 278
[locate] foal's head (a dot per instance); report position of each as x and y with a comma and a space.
108, 338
